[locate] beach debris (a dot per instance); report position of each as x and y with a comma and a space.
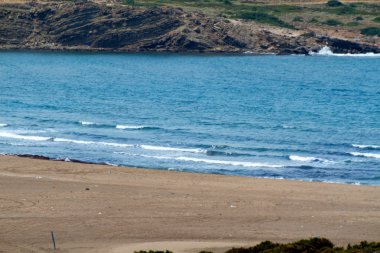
53, 239
232, 206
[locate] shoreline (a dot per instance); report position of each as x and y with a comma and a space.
68, 160
99, 208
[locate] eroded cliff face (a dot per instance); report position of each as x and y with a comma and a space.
91, 26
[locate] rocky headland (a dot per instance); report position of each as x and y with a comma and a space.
90, 26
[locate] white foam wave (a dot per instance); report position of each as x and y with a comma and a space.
24, 137
113, 144
365, 146
306, 159
86, 123
233, 163
122, 127
159, 148
368, 155
287, 126
3, 125
326, 51
219, 162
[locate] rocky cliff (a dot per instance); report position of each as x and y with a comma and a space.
101, 27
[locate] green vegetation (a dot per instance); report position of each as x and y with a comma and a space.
293, 16
313, 245
371, 31
332, 22
297, 19
153, 251
265, 18
353, 23
334, 3
129, 2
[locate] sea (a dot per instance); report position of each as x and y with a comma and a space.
310, 118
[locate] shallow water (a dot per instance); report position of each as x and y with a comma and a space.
294, 117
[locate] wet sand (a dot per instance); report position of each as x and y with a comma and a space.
99, 208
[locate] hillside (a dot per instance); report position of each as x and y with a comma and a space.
211, 26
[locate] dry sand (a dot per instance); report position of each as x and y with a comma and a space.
125, 209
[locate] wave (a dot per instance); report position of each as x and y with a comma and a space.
219, 162
234, 163
365, 146
326, 51
117, 126
133, 127
368, 155
160, 148
287, 126
112, 144
306, 159
86, 123
24, 137
52, 139
3, 125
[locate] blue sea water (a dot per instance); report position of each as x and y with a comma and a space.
294, 117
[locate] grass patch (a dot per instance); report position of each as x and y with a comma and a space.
371, 31
353, 23
332, 22
265, 18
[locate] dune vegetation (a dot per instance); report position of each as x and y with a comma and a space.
313, 245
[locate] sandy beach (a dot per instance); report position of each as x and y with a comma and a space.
98, 208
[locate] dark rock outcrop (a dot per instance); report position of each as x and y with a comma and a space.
91, 26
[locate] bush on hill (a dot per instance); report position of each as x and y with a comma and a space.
334, 3
265, 18
332, 22
371, 31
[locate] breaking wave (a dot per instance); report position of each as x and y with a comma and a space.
24, 137
117, 126
218, 162
366, 146
326, 51
306, 159
368, 155
160, 148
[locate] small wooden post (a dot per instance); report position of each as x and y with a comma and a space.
53, 239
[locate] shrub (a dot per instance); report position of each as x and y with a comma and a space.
371, 31
334, 3
153, 251
314, 20
298, 19
332, 22
313, 245
377, 19
359, 18
265, 18
353, 23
